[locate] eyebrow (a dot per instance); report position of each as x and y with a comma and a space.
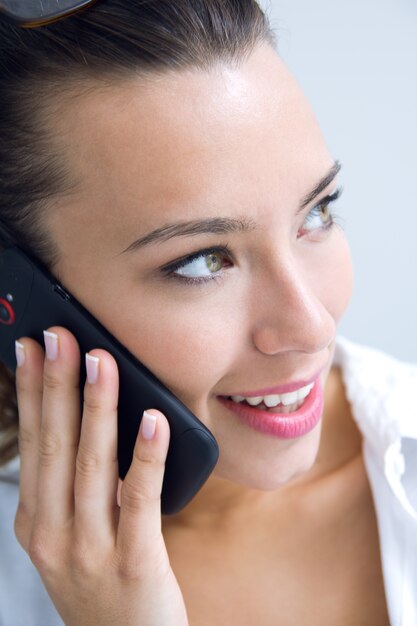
221, 225
213, 225
321, 185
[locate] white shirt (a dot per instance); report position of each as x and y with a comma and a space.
382, 393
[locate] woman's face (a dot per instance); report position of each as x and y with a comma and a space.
155, 160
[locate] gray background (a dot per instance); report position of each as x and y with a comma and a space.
356, 61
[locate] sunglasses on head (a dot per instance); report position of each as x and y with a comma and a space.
33, 13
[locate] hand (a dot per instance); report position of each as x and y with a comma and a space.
100, 563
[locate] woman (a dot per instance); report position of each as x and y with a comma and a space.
160, 160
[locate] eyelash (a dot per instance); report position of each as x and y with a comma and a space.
169, 270
327, 202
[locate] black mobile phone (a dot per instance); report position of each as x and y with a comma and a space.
31, 300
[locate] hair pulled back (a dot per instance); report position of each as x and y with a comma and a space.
109, 41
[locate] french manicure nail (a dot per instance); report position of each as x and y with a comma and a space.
20, 353
51, 345
148, 425
91, 364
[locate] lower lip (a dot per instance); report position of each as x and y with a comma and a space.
281, 425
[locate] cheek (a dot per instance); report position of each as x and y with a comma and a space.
331, 275
342, 283
181, 339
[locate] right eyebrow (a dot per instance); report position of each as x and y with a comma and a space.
210, 225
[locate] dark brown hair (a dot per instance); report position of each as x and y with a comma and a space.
109, 41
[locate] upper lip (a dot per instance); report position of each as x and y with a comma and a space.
278, 389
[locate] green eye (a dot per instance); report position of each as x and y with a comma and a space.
326, 214
321, 216
202, 265
213, 262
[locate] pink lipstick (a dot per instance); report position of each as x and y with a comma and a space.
281, 425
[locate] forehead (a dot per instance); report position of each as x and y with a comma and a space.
232, 135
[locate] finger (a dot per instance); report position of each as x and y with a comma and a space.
60, 428
96, 465
29, 376
139, 529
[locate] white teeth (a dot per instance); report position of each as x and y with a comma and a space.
289, 398
273, 400
304, 391
254, 401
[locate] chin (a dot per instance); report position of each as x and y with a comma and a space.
269, 473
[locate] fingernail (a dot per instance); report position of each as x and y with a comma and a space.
119, 493
51, 345
148, 425
20, 353
91, 364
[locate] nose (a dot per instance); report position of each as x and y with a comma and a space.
292, 312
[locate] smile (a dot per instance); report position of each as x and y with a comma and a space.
286, 416
291, 400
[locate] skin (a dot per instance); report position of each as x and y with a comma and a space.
236, 142
231, 143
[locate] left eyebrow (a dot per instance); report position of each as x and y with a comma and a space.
322, 184
221, 225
